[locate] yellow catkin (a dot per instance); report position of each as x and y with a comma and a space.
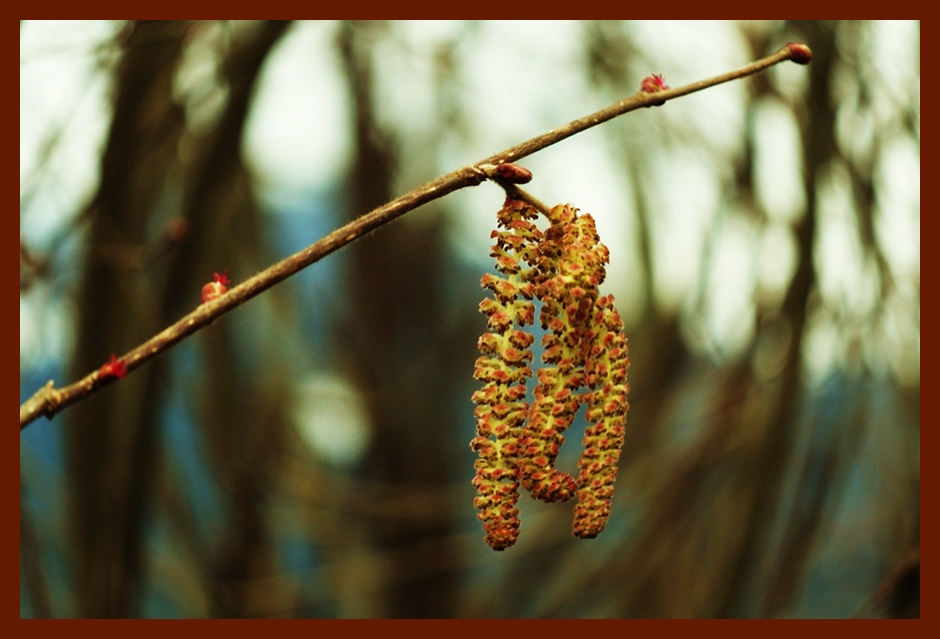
503, 368
606, 373
571, 266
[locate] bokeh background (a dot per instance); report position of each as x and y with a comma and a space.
307, 455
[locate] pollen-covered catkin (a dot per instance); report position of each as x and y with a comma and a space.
585, 357
606, 374
503, 368
571, 266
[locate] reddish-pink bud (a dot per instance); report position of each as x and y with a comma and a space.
216, 288
654, 84
799, 52
113, 368
513, 173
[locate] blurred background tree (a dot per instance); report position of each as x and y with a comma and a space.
306, 456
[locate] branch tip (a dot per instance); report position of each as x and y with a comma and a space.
799, 52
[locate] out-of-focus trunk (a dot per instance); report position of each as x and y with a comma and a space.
113, 439
394, 353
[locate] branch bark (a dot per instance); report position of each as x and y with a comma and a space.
48, 400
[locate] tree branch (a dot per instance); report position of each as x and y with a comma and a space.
48, 400
898, 596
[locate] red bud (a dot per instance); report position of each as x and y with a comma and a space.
216, 288
654, 84
513, 173
113, 368
799, 52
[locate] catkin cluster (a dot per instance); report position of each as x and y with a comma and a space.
586, 360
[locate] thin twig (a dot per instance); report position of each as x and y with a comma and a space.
48, 400
897, 586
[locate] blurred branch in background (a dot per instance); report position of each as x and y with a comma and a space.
898, 596
113, 442
307, 456
110, 443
